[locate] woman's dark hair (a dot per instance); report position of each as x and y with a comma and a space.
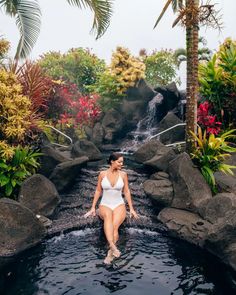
113, 157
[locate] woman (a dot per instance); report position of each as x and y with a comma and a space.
112, 182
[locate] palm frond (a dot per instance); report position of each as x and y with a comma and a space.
28, 15
102, 10
162, 13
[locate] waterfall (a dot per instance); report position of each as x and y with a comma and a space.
145, 127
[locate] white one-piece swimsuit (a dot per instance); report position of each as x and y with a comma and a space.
112, 195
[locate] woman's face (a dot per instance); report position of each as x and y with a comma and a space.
117, 164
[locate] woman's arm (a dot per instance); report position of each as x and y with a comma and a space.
98, 191
96, 196
128, 197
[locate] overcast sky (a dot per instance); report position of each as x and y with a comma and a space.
65, 26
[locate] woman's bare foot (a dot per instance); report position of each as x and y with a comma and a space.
115, 251
109, 257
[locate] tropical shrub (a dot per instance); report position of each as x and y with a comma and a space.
217, 80
210, 152
15, 168
36, 85
124, 71
78, 66
14, 109
161, 67
68, 106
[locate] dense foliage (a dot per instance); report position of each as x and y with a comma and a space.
124, 71
217, 80
210, 153
15, 169
16, 161
78, 66
14, 109
161, 67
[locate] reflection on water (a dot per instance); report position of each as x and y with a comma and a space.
150, 264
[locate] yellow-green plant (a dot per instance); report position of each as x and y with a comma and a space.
124, 71
14, 109
126, 68
210, 152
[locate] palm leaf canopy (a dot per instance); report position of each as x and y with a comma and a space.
27, 14
176, 5
28, 19
102, 10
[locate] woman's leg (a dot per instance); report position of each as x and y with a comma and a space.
119, 215
106, 215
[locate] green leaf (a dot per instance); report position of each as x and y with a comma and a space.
8, 189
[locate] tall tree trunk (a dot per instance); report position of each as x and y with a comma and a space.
192, 69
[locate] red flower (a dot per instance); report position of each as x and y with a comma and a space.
207, 120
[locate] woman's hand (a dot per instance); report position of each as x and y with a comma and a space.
92, 212
133, 213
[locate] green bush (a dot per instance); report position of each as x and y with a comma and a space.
161, 67
78, 66
14, 170
209, 154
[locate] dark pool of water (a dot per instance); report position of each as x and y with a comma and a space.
150, 264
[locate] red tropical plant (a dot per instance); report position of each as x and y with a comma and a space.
207, 120
68, 106
36, 85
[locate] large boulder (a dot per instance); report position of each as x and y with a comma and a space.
190, 188
171, 98
149, 150
39, 194
221, 240
173, 135
65, 173
20, 229
86, 148
160, 190
161, 160
98, 134
134, 105
218, 208
50, 159
142, 91
185, 225
112, 124
225, 182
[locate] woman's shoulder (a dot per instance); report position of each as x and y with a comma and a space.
123, 174
102, 173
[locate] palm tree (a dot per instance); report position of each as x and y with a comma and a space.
28, 19
189, 12
204, 53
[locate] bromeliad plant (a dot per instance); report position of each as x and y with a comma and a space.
15, 166
210, 152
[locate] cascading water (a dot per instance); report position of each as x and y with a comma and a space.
72, 262
145, 127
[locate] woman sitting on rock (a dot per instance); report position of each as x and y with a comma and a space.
111, 183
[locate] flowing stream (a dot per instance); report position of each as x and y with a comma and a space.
145, 127
70, 260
